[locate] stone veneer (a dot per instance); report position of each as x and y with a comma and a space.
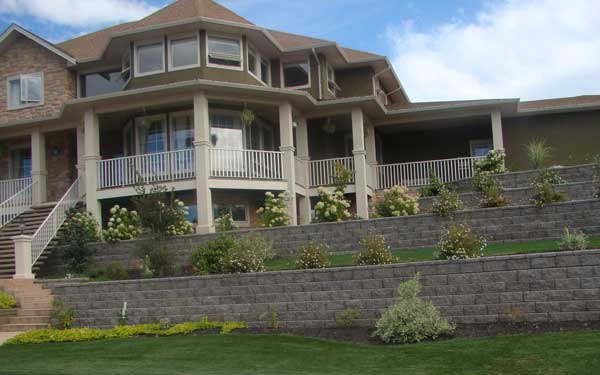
551, 287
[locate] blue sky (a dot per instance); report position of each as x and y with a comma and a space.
441, 50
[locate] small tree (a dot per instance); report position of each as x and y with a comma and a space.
77, 232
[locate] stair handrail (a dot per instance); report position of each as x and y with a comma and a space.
8, 188
55, 219
18, 203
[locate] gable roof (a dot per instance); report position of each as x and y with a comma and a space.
573, 101
14, 28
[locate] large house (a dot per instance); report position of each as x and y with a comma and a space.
221, 110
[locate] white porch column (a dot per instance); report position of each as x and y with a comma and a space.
302, 144
38, 166
286, 134
202, 158
360, 163
497, 130
370, 147
23, 266
80, 159
91, 157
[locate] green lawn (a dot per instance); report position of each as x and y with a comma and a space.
416, 255
548, 354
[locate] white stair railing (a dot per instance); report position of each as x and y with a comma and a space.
8, 188
49, 228
322, 172
16, 204
246, 164
419, 173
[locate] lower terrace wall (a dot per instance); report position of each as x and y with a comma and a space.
551, 287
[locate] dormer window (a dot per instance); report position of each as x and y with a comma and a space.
224, 52
296, 75
150, 58
25, 90
184, 53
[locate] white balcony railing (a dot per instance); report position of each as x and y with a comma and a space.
419, 173
246, 164
49, 228
322, 172
8, 188
17, 204
149, 168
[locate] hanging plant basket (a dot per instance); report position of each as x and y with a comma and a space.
248, 117
329, 127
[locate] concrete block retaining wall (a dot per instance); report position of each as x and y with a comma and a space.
536, 288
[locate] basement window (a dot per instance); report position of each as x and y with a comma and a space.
25, 90
224, 53
296, 75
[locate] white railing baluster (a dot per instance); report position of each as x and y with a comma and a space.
18, 203
322, 172
8, 188
246, 164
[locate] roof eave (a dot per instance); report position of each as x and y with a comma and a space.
44, 43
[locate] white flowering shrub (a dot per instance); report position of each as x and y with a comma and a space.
313, 255
446, 203
373, 251
460, 242
274, 212
398, 201
225, 223
248, 254
178, 213
123, 225
494, 163
331, 206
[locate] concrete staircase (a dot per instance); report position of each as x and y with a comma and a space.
34, 306
31, 220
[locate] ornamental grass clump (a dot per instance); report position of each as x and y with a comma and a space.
123, 225
331, 206
374, 251
460, 242
6, 301
538, 153
573, 240
398, 201
248, 254
274, 212
313, 255
446, 203
411, 319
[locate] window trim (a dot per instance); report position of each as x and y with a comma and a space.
219, 66
257, 60
136, 64
178, 37
269, 82
228, 112
246, 204
123, 69
137, 124
306, 86
171, 126
20, 78
329, 80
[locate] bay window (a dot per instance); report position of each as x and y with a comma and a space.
151, 134
182, 130
224, 52
184, 53
25, 90
296, 75
150, 58
265, 71
101, 83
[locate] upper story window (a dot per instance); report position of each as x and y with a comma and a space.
379, 92
224, 52
182, 130
101, 83
296, 75
25, 90
151, 134
126, 66
331, 84
184, 52
253, 66
265, 71
149, 58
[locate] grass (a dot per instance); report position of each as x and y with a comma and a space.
548, 354
422, 254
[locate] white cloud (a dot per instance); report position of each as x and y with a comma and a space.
78, 13
518, 48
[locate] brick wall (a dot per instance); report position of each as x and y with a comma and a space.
24, 56
536, 288
61, 160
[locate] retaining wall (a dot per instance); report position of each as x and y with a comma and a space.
547, 287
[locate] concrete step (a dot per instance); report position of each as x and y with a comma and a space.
9, 312
22, 327
29, 320
33, 312
35, 305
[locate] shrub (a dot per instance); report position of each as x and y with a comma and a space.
248, 254
411, 319
446, 203
274, 212
492, 196
79, 229
272, 319
157, 257
398, 201
116, 271
435, 186
208, 257
538, 153
225, 223
492, 164
331, 207
460, 242
544, 193
6, 301
573, 240
374, 251
313, 255
123, 225
62, 318
342, 177
346, 318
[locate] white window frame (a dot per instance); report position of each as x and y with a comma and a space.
377, 88
136, 47
219, 66
172, 115
306, 86
480, 142
330, 79
150, 118
233, 113
253, 51
126, 54
176, 38
21, 78
268, 83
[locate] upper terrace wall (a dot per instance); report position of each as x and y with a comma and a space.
24, 56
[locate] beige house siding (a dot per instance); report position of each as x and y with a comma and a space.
355, 82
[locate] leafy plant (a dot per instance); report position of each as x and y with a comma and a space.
248, 254
123, 225
538, 153
550, 176
492, 196
411, 319
493, 163
7, 301
313, 255
79, 229
208, 257
157, 256
446, 203
62, 318
346, 318
374, 251
435, 186
573, 240
331, 206
272, 319
398, 201
342, 177
225, 223
274, 212
544, 193
460, 242
248, 117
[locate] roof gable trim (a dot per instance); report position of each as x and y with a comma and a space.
16, 28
